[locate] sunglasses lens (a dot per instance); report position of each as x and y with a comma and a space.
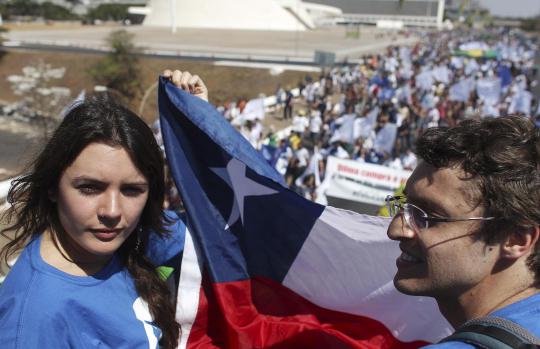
393, 205
416, 218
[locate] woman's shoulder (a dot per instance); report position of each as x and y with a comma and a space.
23, 270
58, 313
22, 299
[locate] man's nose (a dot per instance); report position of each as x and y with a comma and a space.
399, 229
109, 212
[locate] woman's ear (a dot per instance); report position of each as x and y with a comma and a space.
521, 242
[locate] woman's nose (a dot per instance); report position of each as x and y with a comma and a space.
109, 212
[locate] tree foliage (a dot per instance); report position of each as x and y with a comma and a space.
31, 8
119, 69
2, 52
109, 12
57, 13
531, 24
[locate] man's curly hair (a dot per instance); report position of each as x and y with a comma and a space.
501, 157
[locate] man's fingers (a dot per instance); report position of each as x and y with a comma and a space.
196, 84
177, 78
184, 82
196, 81
187, 82
167, 73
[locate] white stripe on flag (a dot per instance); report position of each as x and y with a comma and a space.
189, 288
347, 264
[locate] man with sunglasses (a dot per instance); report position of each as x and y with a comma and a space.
468, 228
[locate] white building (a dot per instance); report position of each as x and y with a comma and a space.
418, 13
288, 15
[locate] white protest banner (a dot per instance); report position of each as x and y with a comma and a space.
489, 90
362, 182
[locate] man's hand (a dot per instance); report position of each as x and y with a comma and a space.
187, 82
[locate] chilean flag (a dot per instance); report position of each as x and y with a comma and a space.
265, 268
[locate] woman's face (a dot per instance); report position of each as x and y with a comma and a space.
100, 198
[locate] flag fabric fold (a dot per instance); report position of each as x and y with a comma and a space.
266, 268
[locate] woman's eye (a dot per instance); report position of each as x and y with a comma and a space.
132, 191
88, 189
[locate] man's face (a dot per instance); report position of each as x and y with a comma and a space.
444, 259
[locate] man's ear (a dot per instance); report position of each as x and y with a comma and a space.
520, 243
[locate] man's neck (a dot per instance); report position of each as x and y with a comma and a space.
492, 294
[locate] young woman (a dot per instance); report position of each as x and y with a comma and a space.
84, 216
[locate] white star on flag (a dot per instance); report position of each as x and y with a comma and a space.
235, 176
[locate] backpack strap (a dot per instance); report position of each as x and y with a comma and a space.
494, 333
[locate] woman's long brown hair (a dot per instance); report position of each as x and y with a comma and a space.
31, 213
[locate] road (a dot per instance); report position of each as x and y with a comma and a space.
211, 44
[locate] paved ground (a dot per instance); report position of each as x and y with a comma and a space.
261, 45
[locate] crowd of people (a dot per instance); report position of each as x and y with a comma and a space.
374, 111
90, 228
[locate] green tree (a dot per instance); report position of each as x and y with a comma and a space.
55, 12
109, 12
31, 8
22, 8
119, 69
2, 52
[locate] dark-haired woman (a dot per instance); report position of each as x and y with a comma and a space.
85, 215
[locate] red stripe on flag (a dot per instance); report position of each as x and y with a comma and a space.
261, 313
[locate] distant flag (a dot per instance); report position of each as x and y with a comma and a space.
424, 80
521, 102
471, 67
386, 137
461, 90
442, 74
489, 90
266, 268
254, 110
312, 169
